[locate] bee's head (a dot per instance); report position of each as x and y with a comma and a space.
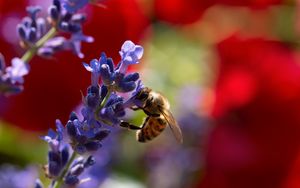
140, 98
143, 94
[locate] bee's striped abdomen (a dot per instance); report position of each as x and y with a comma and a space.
152, 127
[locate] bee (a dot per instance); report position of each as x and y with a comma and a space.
157, 109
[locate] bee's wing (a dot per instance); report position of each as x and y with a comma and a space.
173, 124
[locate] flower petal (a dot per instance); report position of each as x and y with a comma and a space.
139, 50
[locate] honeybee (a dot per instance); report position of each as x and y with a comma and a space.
157, 109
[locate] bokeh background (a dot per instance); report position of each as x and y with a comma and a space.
230, 68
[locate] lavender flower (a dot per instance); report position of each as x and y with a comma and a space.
32, 28
115, 77
102, 107
64, 18
32, 32
59, 151
11, 78
16, 72
94, 67
78, 167
130, 54
113, 110
85, 137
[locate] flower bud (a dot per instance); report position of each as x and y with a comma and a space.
93, 146
71, 180
105, 75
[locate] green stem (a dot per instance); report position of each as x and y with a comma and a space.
104, 101
60, 179
32, 51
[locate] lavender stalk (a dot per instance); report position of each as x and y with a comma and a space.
103, 106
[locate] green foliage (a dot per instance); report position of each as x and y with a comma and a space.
20, 147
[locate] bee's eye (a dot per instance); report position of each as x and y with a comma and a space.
143, 96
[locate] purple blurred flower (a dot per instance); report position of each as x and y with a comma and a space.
51, 46
75, 42
32, 11
38, 184
16, 72
109, 154
31, 28
180, 162
61, 43
11, 78
67, 22
74, 5
7, 88
12, 177
2, 64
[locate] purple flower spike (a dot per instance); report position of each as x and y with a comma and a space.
102, 106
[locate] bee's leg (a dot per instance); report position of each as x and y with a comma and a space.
129, 126
150, 114
145, 121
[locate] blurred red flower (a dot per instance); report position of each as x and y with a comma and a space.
257, 110
249, 3
52, 89
180, 11
190, 11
